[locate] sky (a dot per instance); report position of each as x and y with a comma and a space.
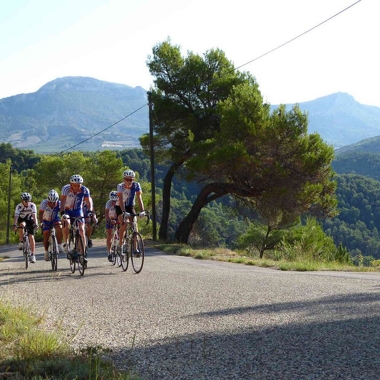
327, 48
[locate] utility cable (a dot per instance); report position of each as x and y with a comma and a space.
98, 133
236, 68
300, 35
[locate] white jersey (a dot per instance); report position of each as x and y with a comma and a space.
50, 213
111, 207
23, 211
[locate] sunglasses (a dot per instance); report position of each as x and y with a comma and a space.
128, 179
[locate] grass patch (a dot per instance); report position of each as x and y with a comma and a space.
299, 264
29, 352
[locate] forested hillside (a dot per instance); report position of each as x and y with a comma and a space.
356, 227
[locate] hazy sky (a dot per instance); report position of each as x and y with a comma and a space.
41, 40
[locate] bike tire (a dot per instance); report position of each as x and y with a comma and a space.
137, 259
70, 253
54, 255
114, 255
124, 259
26, 251
72, 265
118, 259
81, 262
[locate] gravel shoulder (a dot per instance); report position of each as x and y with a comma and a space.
183, 318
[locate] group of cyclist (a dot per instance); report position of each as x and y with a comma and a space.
75, 202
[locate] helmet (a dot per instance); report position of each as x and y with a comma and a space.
76, 178
129, 173
113, 196
26, 197
53, 196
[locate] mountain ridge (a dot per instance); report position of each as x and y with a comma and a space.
68, 110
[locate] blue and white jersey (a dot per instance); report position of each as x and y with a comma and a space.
86, 211
128, 193
24, 211
74, 201
111, 207
50, 213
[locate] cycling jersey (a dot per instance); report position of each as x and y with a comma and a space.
50, 215
128, 193
25, 212
74, 201
112, 214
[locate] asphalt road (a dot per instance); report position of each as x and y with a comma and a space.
183, 318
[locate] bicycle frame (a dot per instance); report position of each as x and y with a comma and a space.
77, 250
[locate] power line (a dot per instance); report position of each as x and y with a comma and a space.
98, 133
300, 35
236, 68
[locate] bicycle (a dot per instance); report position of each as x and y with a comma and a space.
26, 245
116, 254
133, 244
53, 249
76, 252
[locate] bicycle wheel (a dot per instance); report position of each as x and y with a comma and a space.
137, 252
119, 257
26, 259
71, 245
70, 253
54, 255
72, 265
81, 255
114, 255
124, 259
26, 251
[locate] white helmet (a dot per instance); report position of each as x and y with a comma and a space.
76, 178
129, 173
26, 197
53, 196
113, 196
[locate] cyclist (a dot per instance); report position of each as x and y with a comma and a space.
49, 215
127, 191
26, 215
73, 195
111, 219
91, 222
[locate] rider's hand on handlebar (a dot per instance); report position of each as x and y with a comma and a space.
142, 213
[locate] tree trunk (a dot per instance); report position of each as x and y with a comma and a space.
209, 193
264, 243
166, 192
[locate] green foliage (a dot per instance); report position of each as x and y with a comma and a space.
308, 242
359, 206
259, 238
361, 163
21, 159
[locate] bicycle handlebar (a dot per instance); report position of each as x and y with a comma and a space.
143, 214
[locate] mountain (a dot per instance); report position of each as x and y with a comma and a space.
69, 110
340, 119
368, 146
105, 115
